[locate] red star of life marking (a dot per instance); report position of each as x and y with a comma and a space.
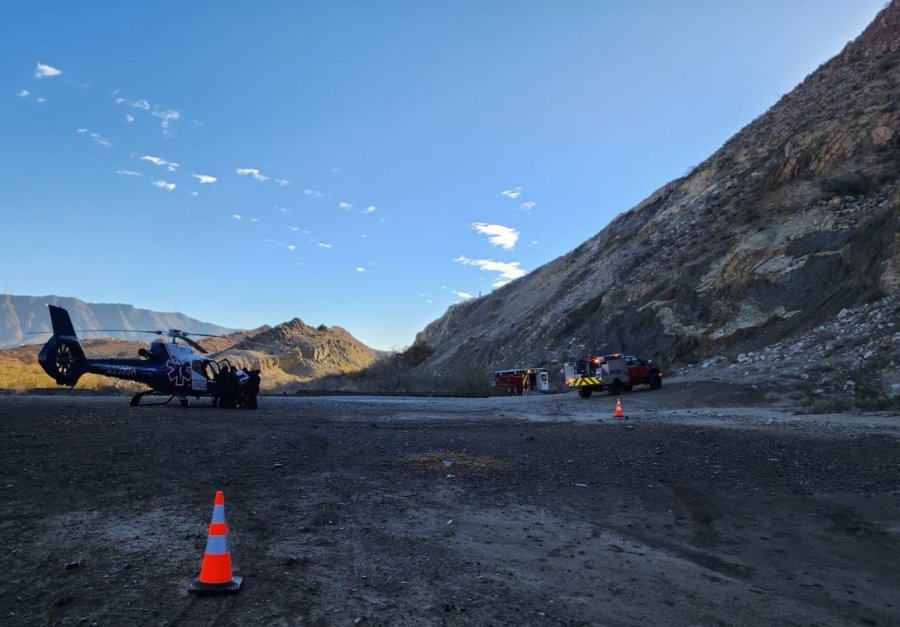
179, 372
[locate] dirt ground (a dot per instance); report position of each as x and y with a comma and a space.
705, 506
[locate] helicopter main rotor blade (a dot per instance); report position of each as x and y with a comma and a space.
191, 342
119, 331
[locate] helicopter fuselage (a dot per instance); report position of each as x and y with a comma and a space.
165, 367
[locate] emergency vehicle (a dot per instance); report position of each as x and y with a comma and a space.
518, 381
615, 373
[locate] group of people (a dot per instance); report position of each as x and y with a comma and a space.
236, 388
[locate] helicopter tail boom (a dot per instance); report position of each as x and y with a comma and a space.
62, 357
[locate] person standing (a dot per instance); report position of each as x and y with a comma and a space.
217, 387
253, 389
226, 396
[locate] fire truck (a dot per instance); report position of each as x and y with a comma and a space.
518, 381
615, 373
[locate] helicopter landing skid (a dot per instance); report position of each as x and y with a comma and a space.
136, 399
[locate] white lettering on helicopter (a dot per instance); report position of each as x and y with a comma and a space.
119, 371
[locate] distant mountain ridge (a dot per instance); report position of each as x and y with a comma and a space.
21, 315
289, 354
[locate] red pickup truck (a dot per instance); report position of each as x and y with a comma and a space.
613, 373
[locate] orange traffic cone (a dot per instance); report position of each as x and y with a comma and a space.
215, 573
619, 413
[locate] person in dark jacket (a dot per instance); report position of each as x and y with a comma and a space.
217, 387
253, 389
226, 396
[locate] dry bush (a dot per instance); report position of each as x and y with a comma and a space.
417, 353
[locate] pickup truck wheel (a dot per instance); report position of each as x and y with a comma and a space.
616, 388
584, 392
655, 381
627, 387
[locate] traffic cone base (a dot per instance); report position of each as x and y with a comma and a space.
198, 587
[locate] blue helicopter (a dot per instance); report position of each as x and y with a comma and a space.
167, 368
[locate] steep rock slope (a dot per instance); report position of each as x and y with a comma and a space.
794, 220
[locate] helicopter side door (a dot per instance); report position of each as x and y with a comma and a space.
202, 375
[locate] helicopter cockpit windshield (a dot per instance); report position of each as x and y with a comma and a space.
159, 351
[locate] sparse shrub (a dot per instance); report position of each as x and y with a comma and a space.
321, 327
417, 353
851, 184
830, 405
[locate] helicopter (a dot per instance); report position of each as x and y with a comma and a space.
167, 367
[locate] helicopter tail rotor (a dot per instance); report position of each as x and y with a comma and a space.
62, 356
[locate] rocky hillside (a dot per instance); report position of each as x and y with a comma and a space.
794, 222
295, 352
21, 315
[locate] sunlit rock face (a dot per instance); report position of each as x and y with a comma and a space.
794, 220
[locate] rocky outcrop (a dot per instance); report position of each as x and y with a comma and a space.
295, 352
792, 221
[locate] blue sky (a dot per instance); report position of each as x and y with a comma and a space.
362, 164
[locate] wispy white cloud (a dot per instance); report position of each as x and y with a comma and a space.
513, 193
154, 160
164, 185
528, 205
462, 295
97, 137
370, 209
128, 173
324, 245
360, 269
167, 118
46, 71
282, 182
292, 247
507, 270
236, 216
41, 99
313, 193
345, 205
254, 219
194, 194
205, 179
499, 235
252, 172
23, 93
